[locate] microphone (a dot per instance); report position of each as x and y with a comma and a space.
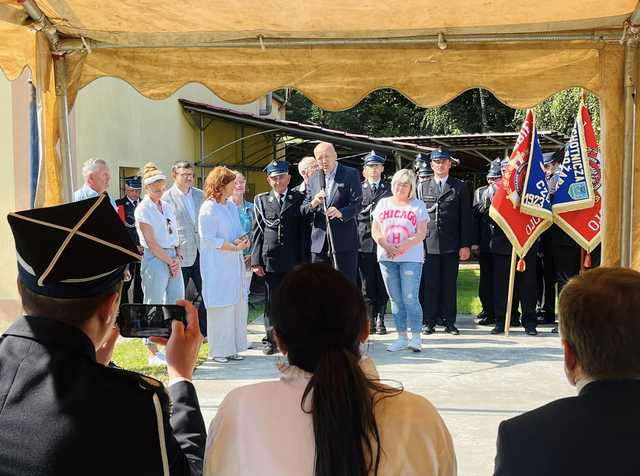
323, 180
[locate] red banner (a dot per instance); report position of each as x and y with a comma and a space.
521, 228
584, 225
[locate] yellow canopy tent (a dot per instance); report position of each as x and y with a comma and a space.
336, 52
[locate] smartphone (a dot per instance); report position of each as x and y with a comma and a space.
146, 320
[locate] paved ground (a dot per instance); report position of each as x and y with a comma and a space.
475, 380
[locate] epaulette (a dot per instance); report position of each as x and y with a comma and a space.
262, 194
143, 381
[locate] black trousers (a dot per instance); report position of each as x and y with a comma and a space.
524, 293
271, 283
347, 262
373, 290
485, 285
441, 276
136, 280
193, 273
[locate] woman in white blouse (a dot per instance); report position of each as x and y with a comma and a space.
329, 414
222, 241
160, 268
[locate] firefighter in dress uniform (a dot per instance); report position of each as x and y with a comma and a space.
126, 208
373, 290
277, 237
482, 198
448, 202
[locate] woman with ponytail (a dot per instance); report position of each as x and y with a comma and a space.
329, 414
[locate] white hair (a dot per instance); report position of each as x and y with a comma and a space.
92, 165
404, 176
304, 164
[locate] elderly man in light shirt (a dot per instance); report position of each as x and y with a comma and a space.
186, 200
96, 176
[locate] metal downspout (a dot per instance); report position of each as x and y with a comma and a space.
626, 218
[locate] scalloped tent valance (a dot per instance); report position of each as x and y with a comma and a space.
157, 46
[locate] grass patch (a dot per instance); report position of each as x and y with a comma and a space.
131, 354
468, 300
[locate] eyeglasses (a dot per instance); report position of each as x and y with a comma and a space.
169, 226
186, 175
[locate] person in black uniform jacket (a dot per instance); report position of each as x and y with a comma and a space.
524, 291
128, 204
596, 432
373, 290
344, 201
64, 410
450, 234
276, 237
481, 204
561, 254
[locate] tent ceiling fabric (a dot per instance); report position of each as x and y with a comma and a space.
338, 78
115, 21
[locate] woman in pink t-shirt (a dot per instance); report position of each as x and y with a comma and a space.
399, 228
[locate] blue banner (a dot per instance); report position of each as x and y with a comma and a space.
536, 200
574, 189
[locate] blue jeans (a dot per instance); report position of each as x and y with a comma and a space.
402, 280
158, 285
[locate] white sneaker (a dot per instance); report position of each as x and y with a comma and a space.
157, 360
400, 344
415, 344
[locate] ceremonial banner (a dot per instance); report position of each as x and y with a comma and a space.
536, 199
522, 228
574, 189
584, 225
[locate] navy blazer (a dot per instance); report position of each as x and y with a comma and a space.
346, 197
594, 434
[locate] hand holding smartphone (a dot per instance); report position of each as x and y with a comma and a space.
146, 320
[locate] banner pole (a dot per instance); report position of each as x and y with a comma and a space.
512, 278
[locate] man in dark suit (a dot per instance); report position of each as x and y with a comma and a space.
596, 432
65, 410
126, 208
373, 190
277, 244
448, 241
343, 197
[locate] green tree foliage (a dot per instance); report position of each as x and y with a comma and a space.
558, 112
389, 113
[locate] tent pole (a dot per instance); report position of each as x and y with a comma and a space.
73, 44
630, 62
60, 74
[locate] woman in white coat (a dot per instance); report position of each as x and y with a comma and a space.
222, 241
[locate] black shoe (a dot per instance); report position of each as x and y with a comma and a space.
451, 329
487, 321
554, 330
531, 331
372, 327
516, 323
481, 315
269, 349
497, 330
428, 329
380, 328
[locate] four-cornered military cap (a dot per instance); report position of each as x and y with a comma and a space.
425, 170
72, 251
419, 161
440, 154
495, 169
277, 167
373, 158
134, 182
